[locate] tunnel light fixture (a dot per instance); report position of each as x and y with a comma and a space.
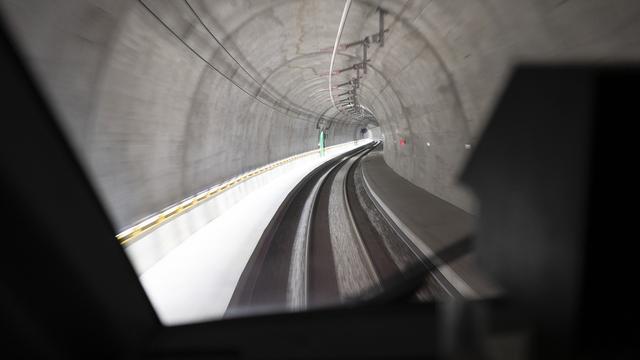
428, 143
467, 146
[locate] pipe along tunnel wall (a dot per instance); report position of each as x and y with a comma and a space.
153, 123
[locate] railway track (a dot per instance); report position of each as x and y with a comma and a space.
329, 243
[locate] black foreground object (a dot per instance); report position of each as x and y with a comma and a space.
555, 174
68, 291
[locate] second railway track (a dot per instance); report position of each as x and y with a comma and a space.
326, 244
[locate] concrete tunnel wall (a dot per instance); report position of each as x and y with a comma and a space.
154, 124
150, 121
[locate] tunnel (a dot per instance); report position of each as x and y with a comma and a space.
260, 158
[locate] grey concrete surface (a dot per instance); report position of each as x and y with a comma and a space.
154, 124
439, 225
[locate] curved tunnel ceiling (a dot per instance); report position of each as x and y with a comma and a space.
154, 122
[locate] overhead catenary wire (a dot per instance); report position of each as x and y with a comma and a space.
260, 83
202, 58
210, 65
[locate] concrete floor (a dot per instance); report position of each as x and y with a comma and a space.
196, 280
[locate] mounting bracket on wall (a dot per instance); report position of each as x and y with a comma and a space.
350, 104
379, 37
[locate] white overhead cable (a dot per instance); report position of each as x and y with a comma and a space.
343, 19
